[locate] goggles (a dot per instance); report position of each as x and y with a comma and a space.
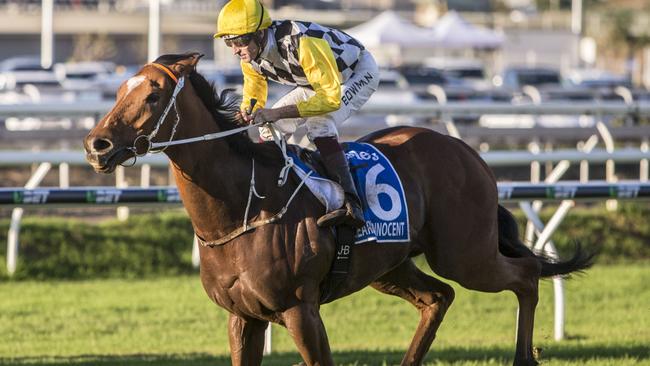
239, 41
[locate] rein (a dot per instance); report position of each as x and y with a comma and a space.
246, 227
158, 147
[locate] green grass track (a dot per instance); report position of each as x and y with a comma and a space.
170, 321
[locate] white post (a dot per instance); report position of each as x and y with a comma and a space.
577, 12
120, 182
558, 296
646, 68
610, 175
535, 177
441, 97
145, 176
643, 165
267, 340
551, 251
552, 177
544, 236
17, 215
577, 22
628, 98
587, 146
47, 33
64, 175
13, 240
154, 30
196, 258
544, 243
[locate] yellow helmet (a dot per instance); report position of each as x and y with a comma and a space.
240, 17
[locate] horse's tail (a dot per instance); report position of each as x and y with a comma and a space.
511, 246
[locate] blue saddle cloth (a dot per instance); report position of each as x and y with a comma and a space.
380, 190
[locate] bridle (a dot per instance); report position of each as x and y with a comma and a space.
152, 147
158, 147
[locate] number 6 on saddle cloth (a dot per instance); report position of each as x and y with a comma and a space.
379, 187
382, 199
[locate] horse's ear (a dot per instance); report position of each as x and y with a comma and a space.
185, 66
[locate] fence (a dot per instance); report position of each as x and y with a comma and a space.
585, 156
421, 108
529, 196
523, 193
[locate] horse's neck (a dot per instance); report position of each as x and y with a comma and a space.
212, 180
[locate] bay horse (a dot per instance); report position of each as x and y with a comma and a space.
275, 272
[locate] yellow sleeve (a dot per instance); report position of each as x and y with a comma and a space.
318, 62
255, 86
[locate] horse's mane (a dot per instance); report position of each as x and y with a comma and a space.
224, 108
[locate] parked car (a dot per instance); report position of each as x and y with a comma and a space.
597, 79
26, 75
24, 81
515, 78
222, 77
420, 77
22, 63
393, 88
82, 75
469, 72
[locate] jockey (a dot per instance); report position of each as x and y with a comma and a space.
333, 75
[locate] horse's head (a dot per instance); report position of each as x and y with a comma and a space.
139, 112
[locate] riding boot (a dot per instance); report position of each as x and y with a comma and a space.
350, 213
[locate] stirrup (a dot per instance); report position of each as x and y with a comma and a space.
333, 218
342, 216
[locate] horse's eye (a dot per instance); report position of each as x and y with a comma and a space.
153, 98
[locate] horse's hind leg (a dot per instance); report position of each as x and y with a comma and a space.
519, 275
429, 295
246, 340
305, 326
526, 289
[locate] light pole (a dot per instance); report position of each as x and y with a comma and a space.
47, 33
154, 30
577, 26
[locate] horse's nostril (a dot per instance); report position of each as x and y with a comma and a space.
100, 145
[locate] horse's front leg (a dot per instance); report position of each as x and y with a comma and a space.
305, 326
246, 340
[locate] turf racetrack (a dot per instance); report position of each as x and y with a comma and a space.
170, 321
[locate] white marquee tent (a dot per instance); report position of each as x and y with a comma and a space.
394, 40
389, 29
454, 32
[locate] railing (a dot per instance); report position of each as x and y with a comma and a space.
112, 196
522, 193
423, 108
492, 158
585, 157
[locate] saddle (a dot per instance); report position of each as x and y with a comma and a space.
310, 160
381, 193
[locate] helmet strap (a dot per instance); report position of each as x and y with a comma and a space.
260, 39
259, 24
